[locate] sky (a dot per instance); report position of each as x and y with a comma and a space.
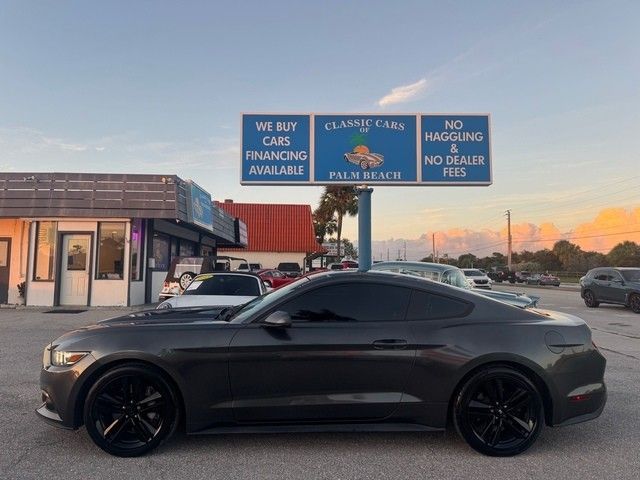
158, 87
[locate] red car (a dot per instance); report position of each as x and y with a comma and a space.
275, 278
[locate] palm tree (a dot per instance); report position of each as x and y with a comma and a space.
335, 203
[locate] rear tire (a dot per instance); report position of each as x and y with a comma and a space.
590, 299
499, 412
131, 410
634, 303
185, 279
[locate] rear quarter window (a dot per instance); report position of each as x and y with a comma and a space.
431, 306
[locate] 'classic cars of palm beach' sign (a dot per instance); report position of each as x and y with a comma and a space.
372, 149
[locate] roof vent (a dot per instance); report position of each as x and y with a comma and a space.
228, 200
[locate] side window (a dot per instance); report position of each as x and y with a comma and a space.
601, 276
429, 306
364, 302
614, 276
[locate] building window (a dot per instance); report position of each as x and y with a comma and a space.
137, 248
110, 251
187, 248
44, 270
161, 251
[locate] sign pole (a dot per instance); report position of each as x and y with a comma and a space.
364, 228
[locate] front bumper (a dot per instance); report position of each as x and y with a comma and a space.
61, 388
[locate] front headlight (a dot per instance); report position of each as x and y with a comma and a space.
66, 359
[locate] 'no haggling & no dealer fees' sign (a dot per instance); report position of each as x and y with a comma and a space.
371, 149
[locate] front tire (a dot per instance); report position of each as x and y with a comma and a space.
590, 299
131, 410
499, 412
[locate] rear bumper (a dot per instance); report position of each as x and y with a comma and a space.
588, 410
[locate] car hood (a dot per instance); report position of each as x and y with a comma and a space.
182, 301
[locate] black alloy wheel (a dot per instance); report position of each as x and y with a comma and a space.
499, 412
634, 303
590, 299
130, 410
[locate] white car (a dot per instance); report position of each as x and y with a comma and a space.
476, 278
222, 289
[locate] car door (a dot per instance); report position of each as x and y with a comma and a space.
603, 282
346, 356
617, 289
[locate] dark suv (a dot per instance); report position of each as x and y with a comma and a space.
290, 269
611, 285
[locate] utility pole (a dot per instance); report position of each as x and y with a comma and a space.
508, 214
433, 240
405, 251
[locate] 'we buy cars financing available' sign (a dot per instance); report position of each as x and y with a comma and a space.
372, 149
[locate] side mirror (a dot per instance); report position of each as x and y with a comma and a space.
278, 319
267, 285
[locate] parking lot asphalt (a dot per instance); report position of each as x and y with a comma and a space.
605, 448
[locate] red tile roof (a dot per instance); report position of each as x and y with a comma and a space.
275, 227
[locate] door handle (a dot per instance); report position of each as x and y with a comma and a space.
390, 343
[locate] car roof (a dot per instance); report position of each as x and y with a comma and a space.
206, 276
423, 266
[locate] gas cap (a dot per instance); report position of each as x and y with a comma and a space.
555, 342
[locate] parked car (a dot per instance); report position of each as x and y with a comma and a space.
611, 285
343, 265
218, 288
451, 275
543, 279
249, 267
502, 274
184, 269
290, 269
332, 350
476, 278
521, 277
274, 278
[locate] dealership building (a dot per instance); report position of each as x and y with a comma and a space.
83, 239
276, 233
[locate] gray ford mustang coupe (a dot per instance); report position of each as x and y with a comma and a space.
332, 351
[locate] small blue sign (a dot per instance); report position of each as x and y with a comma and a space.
455, 150
365, 149
275, 149
200, 211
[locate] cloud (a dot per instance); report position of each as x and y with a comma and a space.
403, 93
609, 227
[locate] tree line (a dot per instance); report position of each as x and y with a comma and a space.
563, 257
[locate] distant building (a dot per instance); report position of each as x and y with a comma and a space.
102, 239
275, 232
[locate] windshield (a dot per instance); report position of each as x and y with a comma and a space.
224, 285
455, 278
631, 275
473, 273
265, 300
